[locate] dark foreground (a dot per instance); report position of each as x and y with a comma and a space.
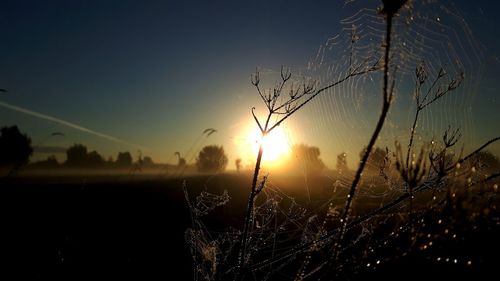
116, 229
78, 231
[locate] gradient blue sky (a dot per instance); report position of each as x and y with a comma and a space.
155, 74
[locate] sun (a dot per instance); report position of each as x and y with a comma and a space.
275, 144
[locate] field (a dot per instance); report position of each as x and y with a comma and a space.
117, 227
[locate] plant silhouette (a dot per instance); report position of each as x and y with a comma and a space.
181, 162
331, 246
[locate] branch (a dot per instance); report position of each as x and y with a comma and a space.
387, 96
257, 120
439, 93
441, 74
317, 93
262, 184
473, 153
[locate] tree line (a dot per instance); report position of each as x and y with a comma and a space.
16, 149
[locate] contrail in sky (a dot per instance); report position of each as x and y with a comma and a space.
66, 123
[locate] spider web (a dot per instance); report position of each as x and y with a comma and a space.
295, 239
344, 117
430, 32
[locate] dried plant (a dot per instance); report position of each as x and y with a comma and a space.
389, 10
437, 90
317, 244
281, 106
412, 173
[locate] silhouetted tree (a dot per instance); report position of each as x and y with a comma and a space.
237, 162
137, 165
110, 161
76, 155
94, 159
15, 148
147, 161
124, 159
211, 159
50, 162
376, 159
342, 162
308, 157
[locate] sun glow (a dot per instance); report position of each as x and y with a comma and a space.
275, 144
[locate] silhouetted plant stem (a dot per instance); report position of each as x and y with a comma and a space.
412, 135
474, 152
251, 199
387, 96
402, 198
410, 144
253, 194
298, 98
422, 101
355, 223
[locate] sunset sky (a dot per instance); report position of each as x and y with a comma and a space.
152, 75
